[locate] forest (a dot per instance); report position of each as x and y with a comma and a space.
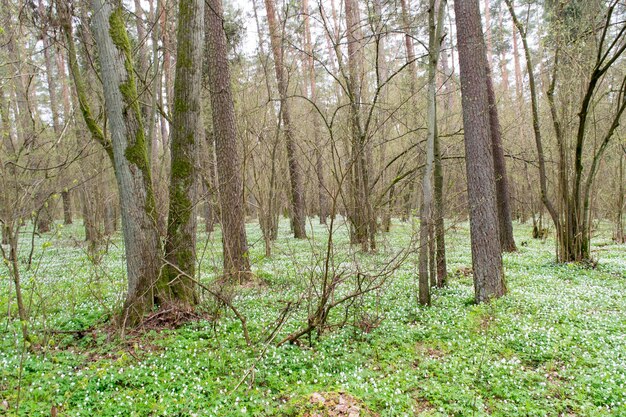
310, 208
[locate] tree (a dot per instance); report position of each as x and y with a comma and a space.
571, 213
486, 257
435, 30
410, 59
295, 180
127, 152
187, 130
322, 191
360, 210
507, 241
236, 259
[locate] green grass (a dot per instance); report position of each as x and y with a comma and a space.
554, 346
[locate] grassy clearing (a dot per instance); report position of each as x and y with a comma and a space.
554, 346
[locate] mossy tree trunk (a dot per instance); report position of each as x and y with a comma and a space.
129, 155
230, 187
187, 133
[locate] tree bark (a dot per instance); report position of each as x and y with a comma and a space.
435, 24
518, 68
132, 171
66, 194
361, 213
505, 224
230, 191
187, 131
486, 256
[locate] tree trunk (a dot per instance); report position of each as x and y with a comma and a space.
361, 214
67, 207
620, 237
435, 24
503, 61
157, 85
507, 242
488, 34
486, 256
322, 192
132, 171
412, 68
379, 25
440, 251
66, 194
230, 191
187, 131
45, 215
518, 68
92, 233
297, 191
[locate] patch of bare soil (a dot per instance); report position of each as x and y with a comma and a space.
429, 351
336, 404
423, 406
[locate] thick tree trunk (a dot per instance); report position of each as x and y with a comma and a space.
486, 256
132, 171
187, 132
297, 191
236, 259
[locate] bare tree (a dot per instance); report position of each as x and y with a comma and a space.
322, 191
435, 29
571, 213
295, 175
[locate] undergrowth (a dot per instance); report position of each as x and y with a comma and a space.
554, 346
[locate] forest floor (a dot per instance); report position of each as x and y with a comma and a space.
554, 346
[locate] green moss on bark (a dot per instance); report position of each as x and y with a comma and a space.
136, 152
